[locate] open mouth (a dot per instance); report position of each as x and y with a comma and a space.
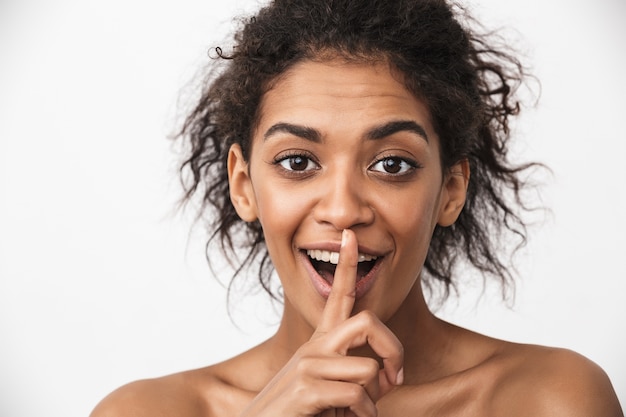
325, 263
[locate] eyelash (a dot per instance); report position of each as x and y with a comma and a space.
409, 165
279, 160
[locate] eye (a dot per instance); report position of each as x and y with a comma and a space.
297, 162
393, 165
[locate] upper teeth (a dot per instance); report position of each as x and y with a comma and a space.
333, 257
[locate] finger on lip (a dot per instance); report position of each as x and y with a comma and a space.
343, 292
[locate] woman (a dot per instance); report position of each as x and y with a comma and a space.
360, 150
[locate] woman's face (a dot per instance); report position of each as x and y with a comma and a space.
344, 145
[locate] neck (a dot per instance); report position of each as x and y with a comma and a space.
423, 336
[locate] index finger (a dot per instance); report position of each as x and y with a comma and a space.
342, 294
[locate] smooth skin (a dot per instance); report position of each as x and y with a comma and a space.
330, 168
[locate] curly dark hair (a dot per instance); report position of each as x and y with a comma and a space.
468, 81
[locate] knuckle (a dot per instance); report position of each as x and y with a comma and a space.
371, 367
304, 365
356, 394
312, 396
300, 388
311, 347
367, 317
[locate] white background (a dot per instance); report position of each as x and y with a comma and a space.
100, 281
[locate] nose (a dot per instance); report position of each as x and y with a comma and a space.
343, 202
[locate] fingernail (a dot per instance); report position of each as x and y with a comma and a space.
344, 237
400, 377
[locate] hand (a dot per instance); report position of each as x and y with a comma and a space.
320, 379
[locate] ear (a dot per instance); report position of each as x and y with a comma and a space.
454, 193
241, 191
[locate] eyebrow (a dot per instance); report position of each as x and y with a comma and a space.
388, 129
304, 132
376, 133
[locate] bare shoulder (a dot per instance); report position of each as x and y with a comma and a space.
169, 395
196, 393
554, 382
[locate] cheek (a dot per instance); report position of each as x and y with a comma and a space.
412, 212
281, 213
411, 221
278, 208
413, 234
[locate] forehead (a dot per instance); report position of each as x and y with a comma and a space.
340, 77
335, 93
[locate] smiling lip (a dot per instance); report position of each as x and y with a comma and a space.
323, 287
